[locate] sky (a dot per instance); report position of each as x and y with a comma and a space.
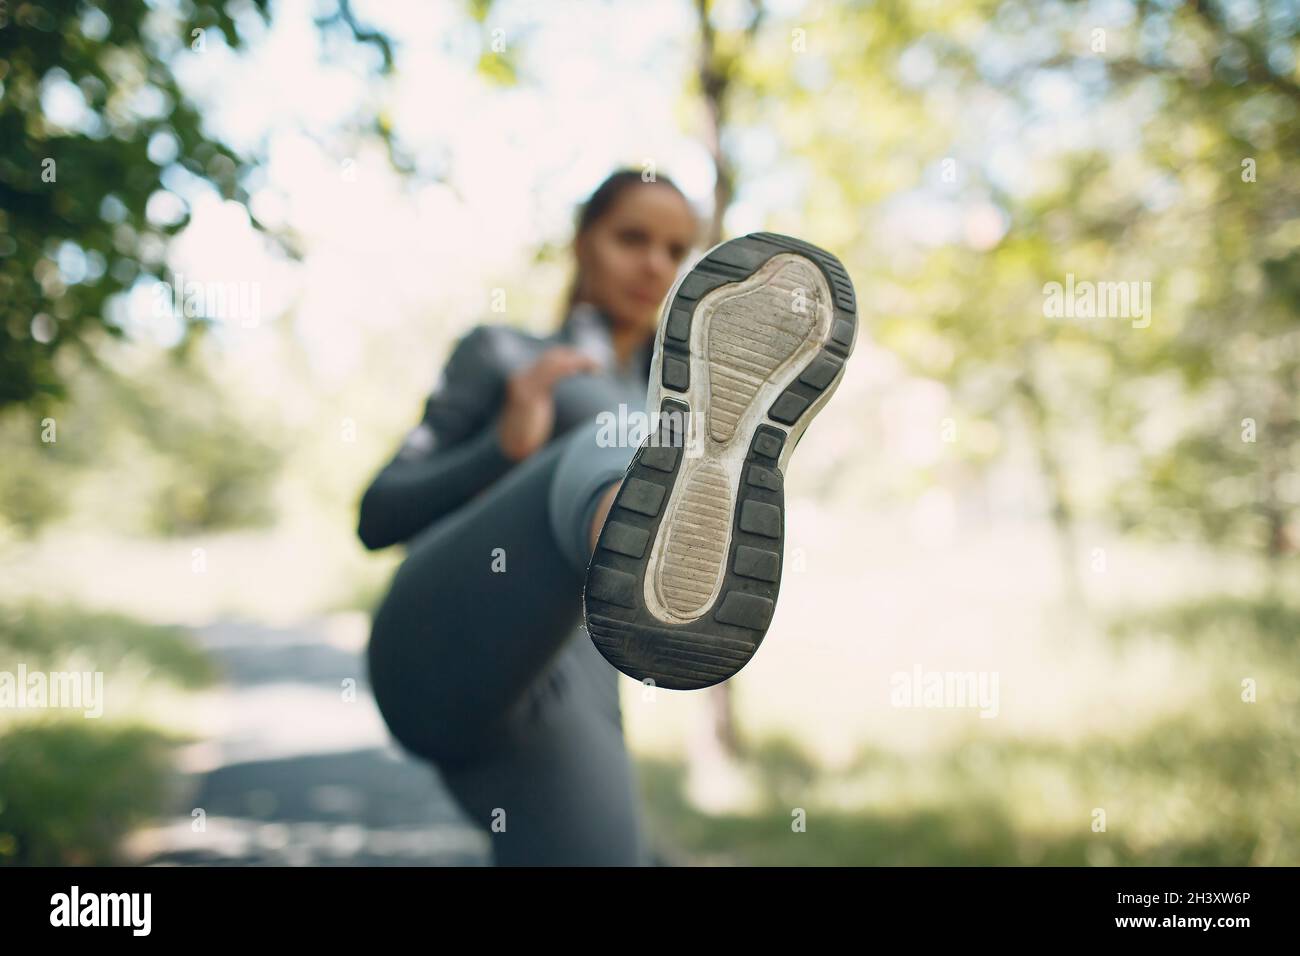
500, 170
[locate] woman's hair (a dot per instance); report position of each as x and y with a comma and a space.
599, 203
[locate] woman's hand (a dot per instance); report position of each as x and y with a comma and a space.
529, 412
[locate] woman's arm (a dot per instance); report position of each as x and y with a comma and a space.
454, 452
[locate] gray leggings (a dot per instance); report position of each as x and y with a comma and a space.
486, 673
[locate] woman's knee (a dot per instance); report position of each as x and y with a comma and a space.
428, 704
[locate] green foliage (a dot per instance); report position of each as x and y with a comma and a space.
1267, 622
42, 635
786, 771
1134, 163
71, 789
164, 446
1209, 783
74, 224
1184, 792
213, 470
37, 475
76, 227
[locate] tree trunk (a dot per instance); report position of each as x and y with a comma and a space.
1062, 513
714, 78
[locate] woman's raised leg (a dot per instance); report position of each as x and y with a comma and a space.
486, 598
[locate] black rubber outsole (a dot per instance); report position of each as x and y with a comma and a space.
714, 647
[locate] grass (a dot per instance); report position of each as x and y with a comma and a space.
1215, 784
71, 788
1171, 798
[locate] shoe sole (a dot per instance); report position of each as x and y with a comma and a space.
683, 582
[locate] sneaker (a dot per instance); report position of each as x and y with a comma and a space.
684, 579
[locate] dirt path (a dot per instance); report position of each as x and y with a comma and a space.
294, 770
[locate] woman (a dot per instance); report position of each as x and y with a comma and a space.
672, 550
525, 725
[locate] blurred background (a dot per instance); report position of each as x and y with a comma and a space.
237, 241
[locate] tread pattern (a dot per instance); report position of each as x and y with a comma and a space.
695, 542
745, 352
724, 637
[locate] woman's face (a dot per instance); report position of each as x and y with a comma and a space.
629, 257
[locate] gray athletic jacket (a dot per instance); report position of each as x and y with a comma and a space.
454, 452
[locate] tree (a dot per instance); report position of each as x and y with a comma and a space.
1154, 144
93, 121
